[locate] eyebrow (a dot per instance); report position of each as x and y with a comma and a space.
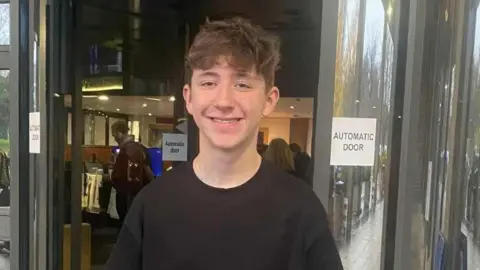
238, 74
208, 73
242, 74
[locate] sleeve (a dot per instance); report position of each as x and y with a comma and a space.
127, 253
322, 252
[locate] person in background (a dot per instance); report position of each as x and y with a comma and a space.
261, 148
302, 162
228, 208
131, 170
280, 154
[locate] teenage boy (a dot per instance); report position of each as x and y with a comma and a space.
228, 209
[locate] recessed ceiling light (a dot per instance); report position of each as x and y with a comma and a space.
292, 107
144, 105
149, 114
172, 99
118, 110
103, 98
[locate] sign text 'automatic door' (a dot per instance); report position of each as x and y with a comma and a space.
353, 141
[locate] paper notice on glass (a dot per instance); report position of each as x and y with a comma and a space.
34, 132
353, 141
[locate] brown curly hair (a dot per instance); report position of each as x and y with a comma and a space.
243, 45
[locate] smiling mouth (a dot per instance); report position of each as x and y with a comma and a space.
225, 121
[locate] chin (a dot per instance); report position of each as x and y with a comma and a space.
225, 144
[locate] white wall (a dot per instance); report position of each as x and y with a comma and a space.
277, 128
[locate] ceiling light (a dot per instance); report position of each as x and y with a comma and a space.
118, 110
154, 99
149, 114
172, 99
102, 88
103, 98
144, 105
56, 95
292, 107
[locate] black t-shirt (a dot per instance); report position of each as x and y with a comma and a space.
272, 222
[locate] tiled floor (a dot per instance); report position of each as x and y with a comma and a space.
363, 252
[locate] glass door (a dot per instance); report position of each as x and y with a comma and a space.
64, 138
103, 77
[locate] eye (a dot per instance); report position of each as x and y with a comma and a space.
208, 84
242, 86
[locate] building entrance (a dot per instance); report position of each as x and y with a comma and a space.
123, 62
114, 71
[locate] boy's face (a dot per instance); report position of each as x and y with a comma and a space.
227, 105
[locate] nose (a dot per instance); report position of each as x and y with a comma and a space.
225, 98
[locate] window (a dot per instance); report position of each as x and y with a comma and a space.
4, 111
4, 24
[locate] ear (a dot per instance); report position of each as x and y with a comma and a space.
271, 102
187, 96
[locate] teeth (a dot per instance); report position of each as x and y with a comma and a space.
225, 121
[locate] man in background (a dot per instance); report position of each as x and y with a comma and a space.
131, 169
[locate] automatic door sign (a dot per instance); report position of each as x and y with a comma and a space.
174, 147
353, 141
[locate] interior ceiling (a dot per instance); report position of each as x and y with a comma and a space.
105, 19
268, 13
163, 106
158, 50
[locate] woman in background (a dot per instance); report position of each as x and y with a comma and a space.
279, 153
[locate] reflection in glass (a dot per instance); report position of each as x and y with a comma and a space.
4, 24
363, 89
4, 111
471, 219
4, 169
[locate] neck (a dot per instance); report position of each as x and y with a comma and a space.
226, 169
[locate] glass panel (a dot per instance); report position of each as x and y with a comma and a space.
363, 92
89, 129
100, 132
471, 217
119, 83
4, 169
4, 24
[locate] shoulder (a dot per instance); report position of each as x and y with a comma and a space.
287, 184
296, 195
171, 182
162, 190
133, 146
